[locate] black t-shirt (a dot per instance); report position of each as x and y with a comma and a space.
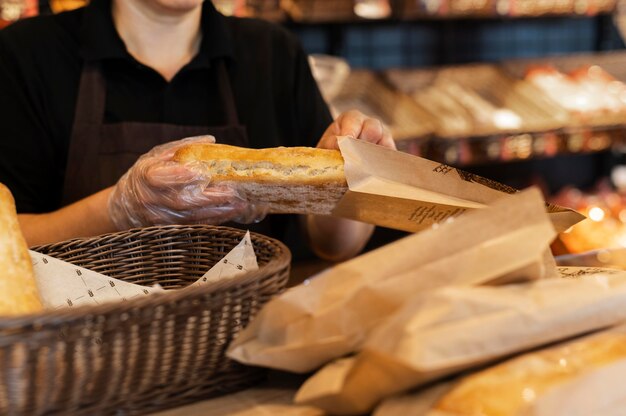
40, 65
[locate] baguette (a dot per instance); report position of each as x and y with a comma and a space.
286, 180
541, 383
18, 289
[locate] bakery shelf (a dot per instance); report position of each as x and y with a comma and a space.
467, 104
467, 151
346, 11
365, 91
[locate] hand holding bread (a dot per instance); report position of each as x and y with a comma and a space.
158, 190
195, 180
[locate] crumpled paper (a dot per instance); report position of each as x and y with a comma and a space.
63, 285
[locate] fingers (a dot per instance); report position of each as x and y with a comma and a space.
351, 123
329, 138
387, 139
193, 196
372, 131
356, 124
169, 175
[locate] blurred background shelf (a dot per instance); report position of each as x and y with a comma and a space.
403, 61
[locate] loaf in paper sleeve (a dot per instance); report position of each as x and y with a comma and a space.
364, 182
297, 180
333, 313
454, 329
578, 378
575, 378
18, 290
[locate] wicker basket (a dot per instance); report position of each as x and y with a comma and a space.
147, 354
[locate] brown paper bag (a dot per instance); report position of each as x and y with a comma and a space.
420, 402
397, 190
577, 378
455, 328
332, 314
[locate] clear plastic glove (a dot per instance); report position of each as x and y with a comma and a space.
156, 191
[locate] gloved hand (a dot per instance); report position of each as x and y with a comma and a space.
156, 191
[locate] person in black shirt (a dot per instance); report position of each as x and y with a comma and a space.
83, 94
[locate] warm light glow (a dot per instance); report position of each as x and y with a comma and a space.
604, 256
506, 119
372, 9
596, 214
621, 240
528, 394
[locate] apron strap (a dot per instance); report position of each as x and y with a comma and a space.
227, 97
91, 95
88, 131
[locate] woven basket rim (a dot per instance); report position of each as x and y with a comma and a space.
67, 315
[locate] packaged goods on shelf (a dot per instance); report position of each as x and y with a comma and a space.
512, 8
446, 8
319, 11
589, 93
265, 9
330, 73
485, 113
543, 7
336, 10
532, 8
12, 10
372, 9
479, 100
366, 92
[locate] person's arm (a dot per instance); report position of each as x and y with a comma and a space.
337, 239
155, 191
30, 147
330, 238
87, 217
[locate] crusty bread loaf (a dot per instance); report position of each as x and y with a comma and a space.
301, 180
511, 388
18, 290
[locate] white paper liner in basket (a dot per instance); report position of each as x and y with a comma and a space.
63, 285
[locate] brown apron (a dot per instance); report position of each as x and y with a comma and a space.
99, 154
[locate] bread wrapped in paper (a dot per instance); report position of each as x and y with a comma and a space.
363, 182
579, 378
576, 378
458, 328
334, 312
18, 290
